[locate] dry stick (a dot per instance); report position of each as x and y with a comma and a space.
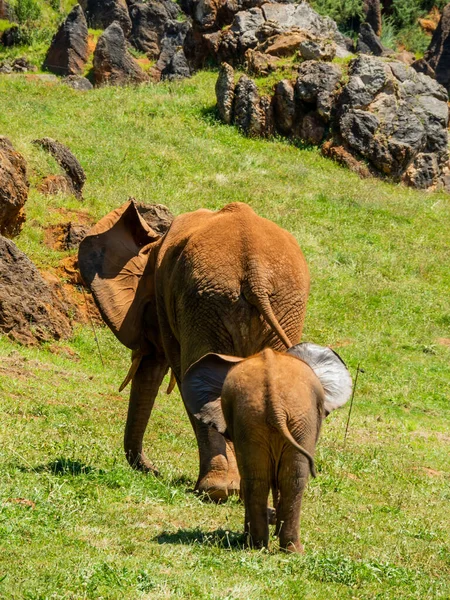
92, 325
358, 371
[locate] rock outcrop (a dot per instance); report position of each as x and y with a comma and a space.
74, 172
172, 62
77, 82
100, 14
436, 61
30, 311
148, 24
396, 119
113, 64
68, 52
13, 189
226, 31
382, 118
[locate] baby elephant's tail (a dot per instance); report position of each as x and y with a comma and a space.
283, 428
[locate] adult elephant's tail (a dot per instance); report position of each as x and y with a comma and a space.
262, 303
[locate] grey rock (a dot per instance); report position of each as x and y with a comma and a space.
100, 14
317, 50
157, 216
252, 114
172, 62
369, 42
77, 82
317, 84
149, 22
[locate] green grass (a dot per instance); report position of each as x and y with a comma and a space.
375, 521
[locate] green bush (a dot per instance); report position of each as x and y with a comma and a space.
27, 11
342, 11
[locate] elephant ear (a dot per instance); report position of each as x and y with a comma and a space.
115, 261
330, 370
202, 387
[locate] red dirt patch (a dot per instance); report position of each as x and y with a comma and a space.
444, 342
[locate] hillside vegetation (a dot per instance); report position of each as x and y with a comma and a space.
77, 523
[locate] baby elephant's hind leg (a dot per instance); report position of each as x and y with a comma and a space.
292, 478
256, 486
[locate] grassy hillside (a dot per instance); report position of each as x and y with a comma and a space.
76, 522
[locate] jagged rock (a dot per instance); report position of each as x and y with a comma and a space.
68, 52
30, 312
100, 14
13, 189
284, 107
437, 56
113, 64
260, 64
422, 66
77, 82
317, 84
11, 36
225, 93
148, 23
74, 171
252, 113
372, 13
172, 62
317, 50
273, 28
387, 120
396, 119
369, 42
157, 216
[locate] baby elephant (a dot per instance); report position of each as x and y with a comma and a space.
271, 406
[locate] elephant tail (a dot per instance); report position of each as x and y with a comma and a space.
262, 303
282, 427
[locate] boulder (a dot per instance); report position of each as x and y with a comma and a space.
225, 93
260, 64
277, 29
372, 14
316, 86
113, 64
13, 189
368, 41
438, 54
75, 175
172, 62
317, 50
73, 235
284, 107
77, 82
148, 23
396, 119
3, 9
69, 52
30, 311
252, 113
100, 14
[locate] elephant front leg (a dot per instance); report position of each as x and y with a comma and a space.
219, 475
144, 388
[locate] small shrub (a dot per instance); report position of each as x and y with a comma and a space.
27, 11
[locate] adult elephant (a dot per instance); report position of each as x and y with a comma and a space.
228, 282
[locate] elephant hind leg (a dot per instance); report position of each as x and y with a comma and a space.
144, 389
292, 478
